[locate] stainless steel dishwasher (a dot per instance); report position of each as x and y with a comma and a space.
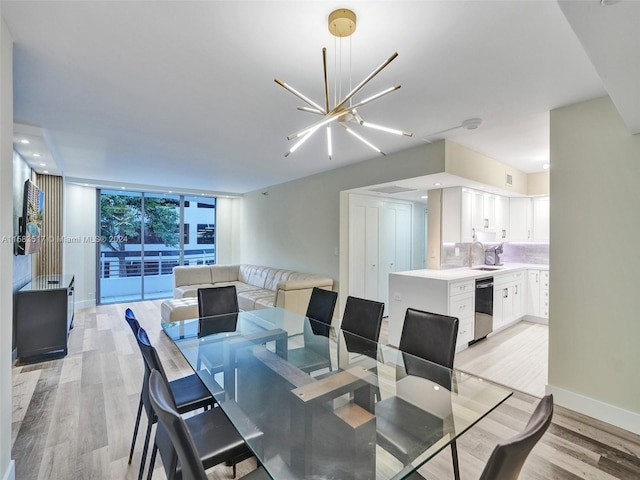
483, 324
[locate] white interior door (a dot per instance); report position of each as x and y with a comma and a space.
364, 219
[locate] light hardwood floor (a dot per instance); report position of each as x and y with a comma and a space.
73, 417
517, 357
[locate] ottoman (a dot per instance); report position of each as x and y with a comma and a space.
179, 309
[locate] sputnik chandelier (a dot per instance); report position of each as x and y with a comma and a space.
342, 23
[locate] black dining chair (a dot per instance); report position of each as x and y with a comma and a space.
212, 302
190, 446
217, 301
425, 336
508, 458
315, 354
189, 392
363, 317
321, 305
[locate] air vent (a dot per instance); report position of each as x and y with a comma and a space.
392, 189
509, 180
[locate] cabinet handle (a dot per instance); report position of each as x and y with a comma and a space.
505, 292
504, 233
528, 234
486, 223
516, 292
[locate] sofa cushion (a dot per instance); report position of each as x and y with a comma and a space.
190, 290
247, 299
191, 275
240, 286
253, 275
225, 273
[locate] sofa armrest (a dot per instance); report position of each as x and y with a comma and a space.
320, 282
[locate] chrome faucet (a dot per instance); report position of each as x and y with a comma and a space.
471, 252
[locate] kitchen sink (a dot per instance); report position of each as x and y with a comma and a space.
486, 269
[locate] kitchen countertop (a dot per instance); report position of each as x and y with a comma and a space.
467, 273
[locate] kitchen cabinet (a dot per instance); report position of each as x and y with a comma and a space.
508, 297
462, 306
538, 293
529, 219
540, 207
520, 214
44, 316
502, 217
466, 212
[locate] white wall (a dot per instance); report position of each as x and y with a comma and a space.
79, 258
594, 324
6, 247
228, 219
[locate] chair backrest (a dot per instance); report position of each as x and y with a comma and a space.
363, 317
430, 336
321, 305
507, 458
173, 427
130, 317
151, 362
217, 301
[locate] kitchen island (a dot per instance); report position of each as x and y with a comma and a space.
452, 292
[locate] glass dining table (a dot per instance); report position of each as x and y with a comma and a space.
316, 402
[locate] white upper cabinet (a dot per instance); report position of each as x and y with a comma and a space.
502, 218
529, 219
541, 219
520, 213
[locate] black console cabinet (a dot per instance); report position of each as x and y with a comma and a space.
44, 316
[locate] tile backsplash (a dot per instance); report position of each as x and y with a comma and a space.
534, 253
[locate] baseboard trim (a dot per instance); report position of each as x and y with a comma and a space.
10, 474
625, 419
84, 304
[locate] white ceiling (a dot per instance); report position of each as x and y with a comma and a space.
181, 94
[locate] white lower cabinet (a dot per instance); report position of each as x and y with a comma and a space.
462, 306
538, 293
508, 295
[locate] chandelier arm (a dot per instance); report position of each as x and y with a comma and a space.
298, 94
326, 79
362, 139
310, 110
386, 129
300, 142
364, 82
376, 96
332, 117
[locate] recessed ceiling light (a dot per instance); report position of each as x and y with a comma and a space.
437, 184
45, 171
546, 166
86, 184
123, 188
43, 164
36, 154
25, 141
424, 196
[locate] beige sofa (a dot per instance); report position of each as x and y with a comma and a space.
257, 287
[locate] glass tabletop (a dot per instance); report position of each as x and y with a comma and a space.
313, 401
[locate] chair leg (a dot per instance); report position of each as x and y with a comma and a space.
152, 460
145, 448
135, 430
454, 457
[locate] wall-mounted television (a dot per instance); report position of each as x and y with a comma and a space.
30, 236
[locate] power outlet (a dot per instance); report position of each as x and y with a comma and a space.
457, 251
433, 253
397, 297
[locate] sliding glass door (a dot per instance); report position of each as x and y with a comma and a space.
144, 235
